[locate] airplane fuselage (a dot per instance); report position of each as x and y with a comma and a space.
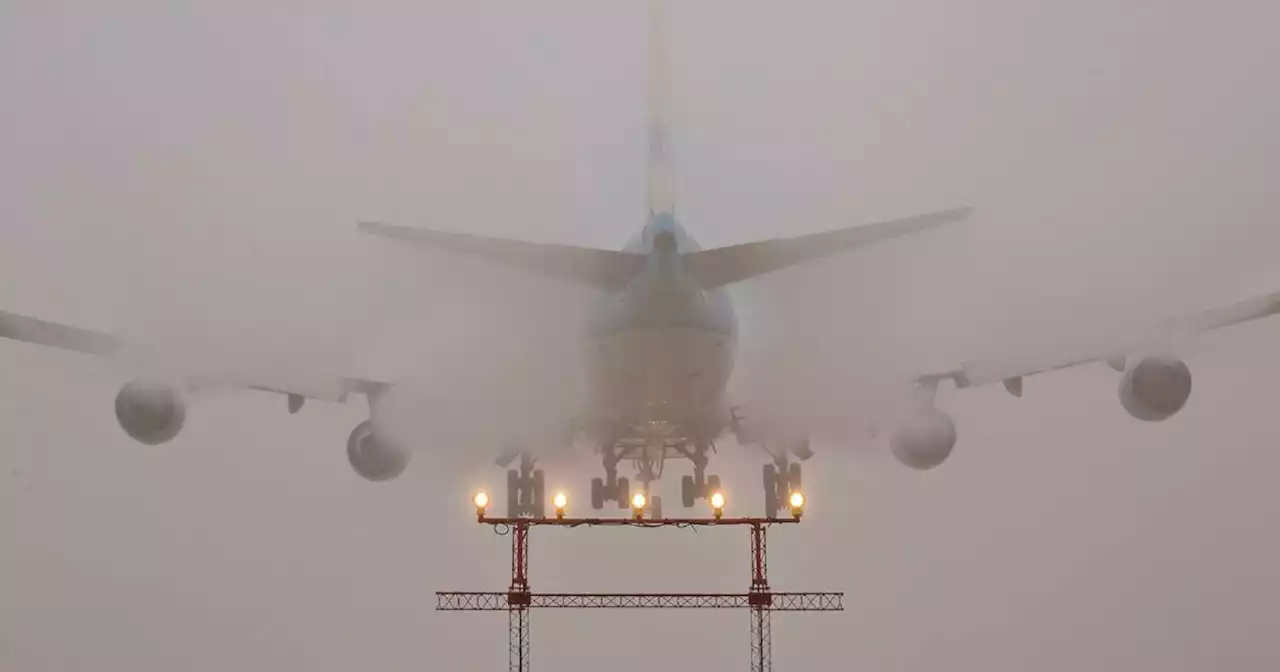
660, 352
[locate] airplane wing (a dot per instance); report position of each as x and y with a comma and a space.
75, 339
726, 265
604, 269
1012, 373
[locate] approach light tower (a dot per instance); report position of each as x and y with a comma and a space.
518, 599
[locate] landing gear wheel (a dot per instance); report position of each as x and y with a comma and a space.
687, 492
713, 485
537, 495
770, 479
793, 477
655, 507
624, 493
526, 490
597, 494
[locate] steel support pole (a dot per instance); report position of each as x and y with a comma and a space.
761, 640
518, 639
761, 602
518, 601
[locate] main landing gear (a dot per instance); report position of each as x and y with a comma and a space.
781, 478
526, 490
526, 485
699, 485
612, 488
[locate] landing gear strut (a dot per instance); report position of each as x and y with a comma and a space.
526, 490
612, 488
699, 485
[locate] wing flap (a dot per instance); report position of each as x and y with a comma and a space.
604, 269
726, 265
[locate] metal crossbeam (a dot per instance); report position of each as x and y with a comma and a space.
503, 601
635, 522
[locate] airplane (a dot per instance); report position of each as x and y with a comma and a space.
659, 351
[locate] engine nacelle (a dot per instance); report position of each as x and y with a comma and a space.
374, 459
924, 440
150, 412
1155, 389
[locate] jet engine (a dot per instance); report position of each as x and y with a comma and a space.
373, 458
1156, 388
150, 412
924, 440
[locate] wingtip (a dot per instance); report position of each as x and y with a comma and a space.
379, 229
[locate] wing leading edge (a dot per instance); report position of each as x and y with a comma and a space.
51, 334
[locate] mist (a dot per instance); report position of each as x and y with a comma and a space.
190, 177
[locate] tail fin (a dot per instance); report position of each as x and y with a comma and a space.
662, 186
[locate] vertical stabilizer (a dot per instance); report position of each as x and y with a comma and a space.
662, 188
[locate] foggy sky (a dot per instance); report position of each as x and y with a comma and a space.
192, 175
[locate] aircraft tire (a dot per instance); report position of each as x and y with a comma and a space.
770, 479
624, 493
513, 493
538, 495
597, 494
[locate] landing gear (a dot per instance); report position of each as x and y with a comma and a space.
655, 507
612, 488
619, 491
699, 485
526, 490
780, 479
691, 491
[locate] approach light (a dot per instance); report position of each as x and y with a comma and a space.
481, 500
638, 502
797, 503
560, 500
717, 504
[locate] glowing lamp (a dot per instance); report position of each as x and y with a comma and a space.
717, 504
638, 502
797, 504
560, 501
